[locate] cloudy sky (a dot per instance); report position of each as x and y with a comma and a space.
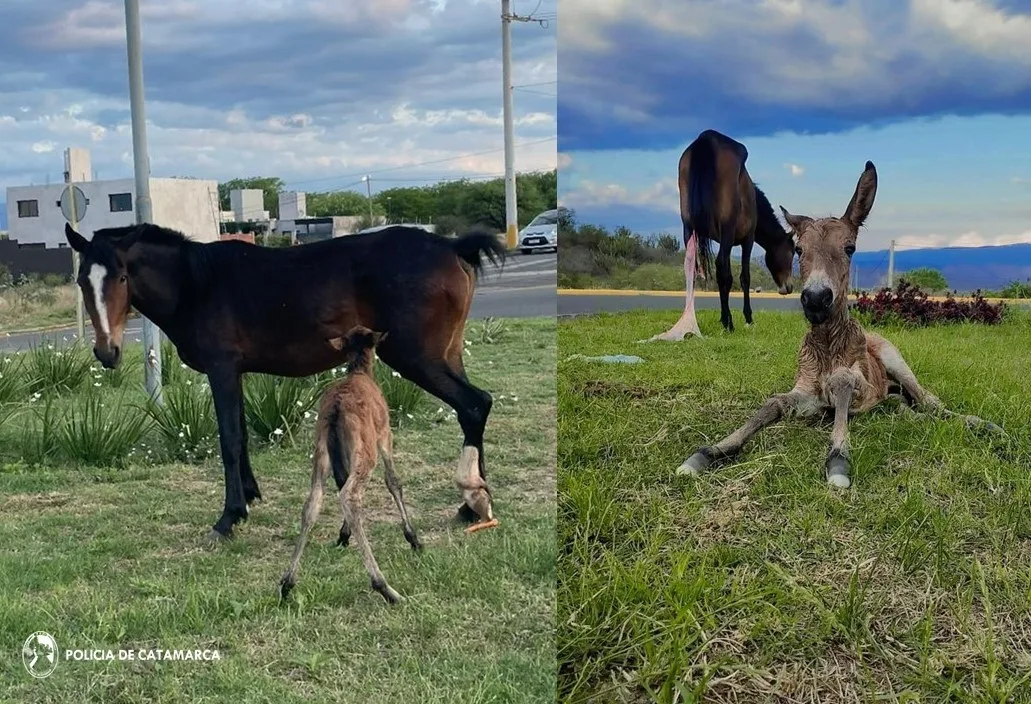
937, 93
317, 92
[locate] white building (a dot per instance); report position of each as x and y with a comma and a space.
187, 205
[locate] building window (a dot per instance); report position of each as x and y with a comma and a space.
120, 202
28, 208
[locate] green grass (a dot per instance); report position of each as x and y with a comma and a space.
757, 583
116, 558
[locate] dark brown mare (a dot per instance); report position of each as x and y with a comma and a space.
720, 203
232, 308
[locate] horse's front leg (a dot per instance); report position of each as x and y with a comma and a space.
251, 492
227, 391
798, 401
840, 385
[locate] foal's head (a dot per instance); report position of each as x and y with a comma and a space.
358, 344
825, 247
104, 279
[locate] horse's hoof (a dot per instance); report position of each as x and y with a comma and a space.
215, 538
694, 464
837, 471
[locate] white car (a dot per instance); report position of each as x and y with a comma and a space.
540, 234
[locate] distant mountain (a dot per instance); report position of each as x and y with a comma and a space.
965, 268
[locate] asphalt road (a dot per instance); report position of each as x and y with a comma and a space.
525, 288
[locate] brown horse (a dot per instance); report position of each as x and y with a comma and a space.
720, 203
232, 308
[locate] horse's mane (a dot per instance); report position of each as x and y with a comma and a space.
201, 262
768, 227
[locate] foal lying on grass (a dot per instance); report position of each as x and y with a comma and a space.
840, 366
353, 430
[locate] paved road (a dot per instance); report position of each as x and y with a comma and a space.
615, 302
525, 288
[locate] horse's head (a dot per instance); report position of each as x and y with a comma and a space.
825, 247
103, 277
780, 259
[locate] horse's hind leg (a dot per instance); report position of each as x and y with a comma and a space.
351, 507
386, 448
917, 395
688, 323
310, 514
725, 280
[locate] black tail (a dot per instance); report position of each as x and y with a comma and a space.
339, 458
701, 196
475, 245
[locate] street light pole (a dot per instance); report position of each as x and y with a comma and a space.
511, 211
141, 170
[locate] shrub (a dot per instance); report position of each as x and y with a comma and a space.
53, 280
449, 225
12, 379
1016, 289
490, 330
275, 406
908, 305
926, 279
186, 423
6, 280
35, 293
404, 398
39, 442
61, 370
99, 434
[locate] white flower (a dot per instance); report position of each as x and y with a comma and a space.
277, 431
395, 374
300, 404
96, 383
515, 398
307, 415
181, 434
410, 416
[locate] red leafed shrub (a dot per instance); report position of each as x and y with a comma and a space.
908, 305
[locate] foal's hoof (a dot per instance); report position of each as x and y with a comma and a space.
696, 463
837, 471
285, 585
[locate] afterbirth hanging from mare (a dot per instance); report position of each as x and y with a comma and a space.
232, 308
720, 203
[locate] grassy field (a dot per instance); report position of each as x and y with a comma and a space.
756, 582
36, 305
106, 557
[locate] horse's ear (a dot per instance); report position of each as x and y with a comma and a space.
79, 243
862, 200
795, 222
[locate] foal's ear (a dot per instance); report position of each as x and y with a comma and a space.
795, 222
378, 337
79, 243
862, 200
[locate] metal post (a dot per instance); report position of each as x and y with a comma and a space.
141, 169
368, 190
891, 265
511, 211
80, 323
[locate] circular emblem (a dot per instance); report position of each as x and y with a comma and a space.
39, 654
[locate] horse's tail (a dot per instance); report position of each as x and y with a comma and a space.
474, 246
701, 199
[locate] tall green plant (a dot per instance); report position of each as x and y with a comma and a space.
186, 422
39, 442
99, 433
275, 406
12, 379
57, 369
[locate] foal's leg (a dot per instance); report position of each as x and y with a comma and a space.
798, 401
351, 506
746, 278
310, 514
725, 280
688, 323
227, 391
840, 386
386, 448
898, 370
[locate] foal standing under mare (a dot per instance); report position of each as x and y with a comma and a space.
232, 308
719, 202
353, 430
840, 366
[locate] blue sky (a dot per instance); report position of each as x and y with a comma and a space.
937, 93
317, 92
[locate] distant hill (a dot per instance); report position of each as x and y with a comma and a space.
965, 268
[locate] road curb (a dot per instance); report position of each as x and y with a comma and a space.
737, 294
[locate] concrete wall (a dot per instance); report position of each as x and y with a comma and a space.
187, 205
248, 204
293, 205
77, 164
35, 259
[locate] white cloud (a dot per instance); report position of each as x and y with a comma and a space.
966, 239
661, 195
44, 147
795, 169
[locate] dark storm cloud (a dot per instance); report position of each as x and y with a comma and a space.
656, 75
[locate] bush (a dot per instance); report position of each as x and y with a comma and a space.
39, 442
6, 280
1016, 289
186, 423
53, 280
490, 330
449, 225
926, 279
404, 398
35, 293
908, 305
275, 406
99, 434
12, 379
49, 368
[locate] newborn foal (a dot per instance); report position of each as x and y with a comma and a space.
840, 366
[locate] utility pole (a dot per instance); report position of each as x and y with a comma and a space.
141, 170
891, 265
511, 211
80, 323
368, 190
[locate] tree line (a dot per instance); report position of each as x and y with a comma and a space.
453, 206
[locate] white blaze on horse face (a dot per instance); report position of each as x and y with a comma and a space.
819, 280
97, 274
